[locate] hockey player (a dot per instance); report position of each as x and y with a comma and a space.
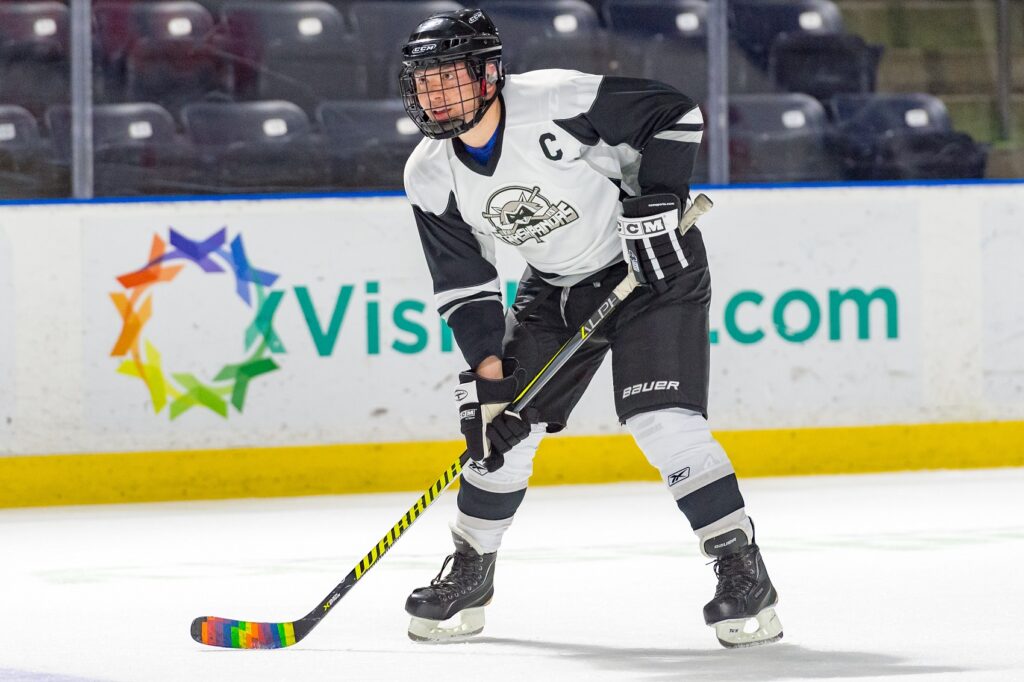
561, 166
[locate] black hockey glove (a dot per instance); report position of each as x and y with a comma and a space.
482, 404
650, 236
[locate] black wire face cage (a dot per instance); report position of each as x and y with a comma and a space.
445, 96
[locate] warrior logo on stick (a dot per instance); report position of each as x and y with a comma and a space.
519, 214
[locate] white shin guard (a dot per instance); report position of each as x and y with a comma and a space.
513, 476
678, 442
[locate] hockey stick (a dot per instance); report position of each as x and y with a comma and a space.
240, 634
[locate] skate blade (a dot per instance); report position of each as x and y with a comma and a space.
458, 628
764, 628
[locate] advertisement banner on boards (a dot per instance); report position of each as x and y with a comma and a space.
269, 328
816, 312
308, 322
1002, 272
7, 346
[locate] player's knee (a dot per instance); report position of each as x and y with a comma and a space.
678, 442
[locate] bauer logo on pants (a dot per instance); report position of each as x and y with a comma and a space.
649, 386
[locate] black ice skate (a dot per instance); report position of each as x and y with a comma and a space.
743, 610
464, 592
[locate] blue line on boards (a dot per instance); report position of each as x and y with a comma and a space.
291, 196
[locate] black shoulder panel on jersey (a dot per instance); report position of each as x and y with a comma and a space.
580, 128
630, 110
633, 111
453, 253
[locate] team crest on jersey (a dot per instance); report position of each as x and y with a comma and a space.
519, 214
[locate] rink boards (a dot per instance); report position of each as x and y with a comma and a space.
205, 349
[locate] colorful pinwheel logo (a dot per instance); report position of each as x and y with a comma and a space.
135, 304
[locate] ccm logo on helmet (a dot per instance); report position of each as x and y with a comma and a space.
649, 386
642, 228
420, 49
476, 17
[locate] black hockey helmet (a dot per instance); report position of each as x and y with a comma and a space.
466, 37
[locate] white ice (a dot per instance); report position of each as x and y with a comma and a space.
881, 577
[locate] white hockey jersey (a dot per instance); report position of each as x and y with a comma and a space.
569, 147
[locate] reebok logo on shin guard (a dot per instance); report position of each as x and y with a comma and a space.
649, 386
678, 476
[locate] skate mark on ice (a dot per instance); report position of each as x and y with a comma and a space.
328, 565
11, 675
773, 662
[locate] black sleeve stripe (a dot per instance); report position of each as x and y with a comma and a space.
686, 126
445, 298
451, 306
693, 137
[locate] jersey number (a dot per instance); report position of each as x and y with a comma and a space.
544, 139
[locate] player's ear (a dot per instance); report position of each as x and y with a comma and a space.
490, 76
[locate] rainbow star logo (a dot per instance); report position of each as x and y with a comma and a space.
182, 390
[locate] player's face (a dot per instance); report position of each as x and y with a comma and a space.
447, 92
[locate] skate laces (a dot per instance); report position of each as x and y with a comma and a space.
733, 576
464, 576
436, 580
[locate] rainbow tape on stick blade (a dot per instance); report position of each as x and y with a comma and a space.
241, 634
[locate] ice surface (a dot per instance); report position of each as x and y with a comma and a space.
911, 576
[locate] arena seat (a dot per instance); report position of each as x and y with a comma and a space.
368, 142
120, 24
255, 146
824, 65
156, 52
383, 28
676, 30
24, 156
136, 149
879, 113
173, 73
779, 138
34, 67
114, 124
755, 24
302, 52
590, 54
683, 64
926, 155
671, 19
901, 137
539, 34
